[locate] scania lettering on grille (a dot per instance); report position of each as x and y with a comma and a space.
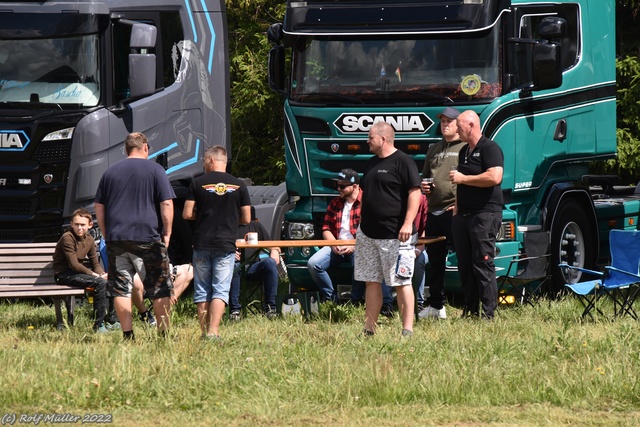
402, 123
13, 140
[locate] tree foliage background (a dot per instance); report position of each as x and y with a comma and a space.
256, 112
627, 165
257, 115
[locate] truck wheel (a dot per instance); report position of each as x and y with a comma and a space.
571, 243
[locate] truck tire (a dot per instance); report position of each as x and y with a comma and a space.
571, 243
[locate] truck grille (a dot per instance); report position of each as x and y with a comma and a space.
17, 207
19, 236
53, 151
11, 181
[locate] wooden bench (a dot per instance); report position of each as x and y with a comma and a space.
26, 271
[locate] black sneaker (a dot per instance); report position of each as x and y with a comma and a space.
271, 313
148, 317
234, 316
387, 311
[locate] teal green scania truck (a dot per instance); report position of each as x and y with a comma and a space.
540, 74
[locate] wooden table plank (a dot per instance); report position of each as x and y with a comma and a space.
303, 243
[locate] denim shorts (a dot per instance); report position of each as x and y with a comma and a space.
212, 273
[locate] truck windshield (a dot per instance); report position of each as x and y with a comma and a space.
50, 71
372, 71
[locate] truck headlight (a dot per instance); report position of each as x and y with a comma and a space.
59, 134
300, 230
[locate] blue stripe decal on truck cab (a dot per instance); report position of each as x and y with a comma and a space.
184, 164
164, 150
193, 24
213, 35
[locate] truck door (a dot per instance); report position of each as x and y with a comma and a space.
551, 124
172, 116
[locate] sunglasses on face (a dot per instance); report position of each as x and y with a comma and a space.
342, 186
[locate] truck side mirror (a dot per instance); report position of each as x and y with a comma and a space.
276, 69
274, 33
552, 28
547, 58
547, 66
142, 65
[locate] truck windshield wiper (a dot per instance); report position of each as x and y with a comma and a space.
328, 97
431, 95
38, 105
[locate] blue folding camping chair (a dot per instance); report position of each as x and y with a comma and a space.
620, 281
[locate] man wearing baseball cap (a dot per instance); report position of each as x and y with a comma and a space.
441, 196
340, 223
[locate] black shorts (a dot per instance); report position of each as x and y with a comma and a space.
149, 259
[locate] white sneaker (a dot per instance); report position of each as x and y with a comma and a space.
433, 313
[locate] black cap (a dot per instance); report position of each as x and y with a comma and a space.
450, 112
348, 175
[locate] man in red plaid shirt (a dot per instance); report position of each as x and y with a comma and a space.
340, 223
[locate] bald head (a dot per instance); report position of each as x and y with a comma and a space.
469, 127
380, 140
383, 129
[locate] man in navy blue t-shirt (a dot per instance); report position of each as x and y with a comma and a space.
134, 208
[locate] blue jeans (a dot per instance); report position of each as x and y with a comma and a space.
418, 276
318, 265
264, 270
212, 272
387, 295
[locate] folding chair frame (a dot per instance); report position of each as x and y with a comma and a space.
520, 285
623, 296
514, 282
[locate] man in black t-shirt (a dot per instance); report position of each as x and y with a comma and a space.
477, 214
218, 202
385, 241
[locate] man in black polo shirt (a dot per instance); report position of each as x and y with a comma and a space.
477, 214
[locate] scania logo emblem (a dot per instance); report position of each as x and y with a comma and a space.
335, 147
48, 178
13, 140
405, 123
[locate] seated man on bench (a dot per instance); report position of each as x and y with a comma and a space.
265, 269
75, 249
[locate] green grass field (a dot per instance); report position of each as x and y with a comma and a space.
529, 367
